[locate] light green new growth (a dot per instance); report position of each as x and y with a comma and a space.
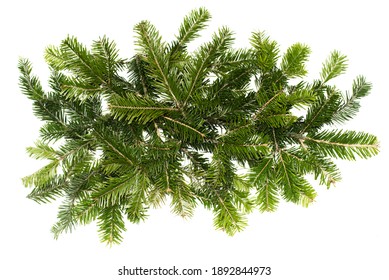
178, 124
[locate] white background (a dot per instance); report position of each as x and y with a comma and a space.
344, 235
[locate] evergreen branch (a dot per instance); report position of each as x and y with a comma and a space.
79, 59
307, 162
204, 58
289, 189
244, 151
111, 224
139, 108
300, 98
183, 202
150, 40
106, 51
46, 174
233, 80
263, 107
294, 187
343, 144
260, 172
191, 25
88, 211
278, 120
66, 219
236, 131
29, 84
46, 114
227, 217
55, 58
266, 50
141, 75
275, 141
241, 198
322, 111
32, 88
75, 88
42, 151
49, 191
267, 196
114, 189
292, 63
334, 66
184, 125
144, 108
135, 208
350, 106
113, 148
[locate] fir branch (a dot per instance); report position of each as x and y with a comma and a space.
183, 125
114, 189
350, 105
143, 108
268, 102
260, 171
150, 40
135, 207
194, 22
106, 51
113, 148
266, 50
334, 66
111, 224
323, 110
140, 74
267, 196
204, 57
79, 59
292, 63
51, 190
29, 84
227, 218
343, 144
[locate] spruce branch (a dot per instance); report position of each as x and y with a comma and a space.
178, 127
